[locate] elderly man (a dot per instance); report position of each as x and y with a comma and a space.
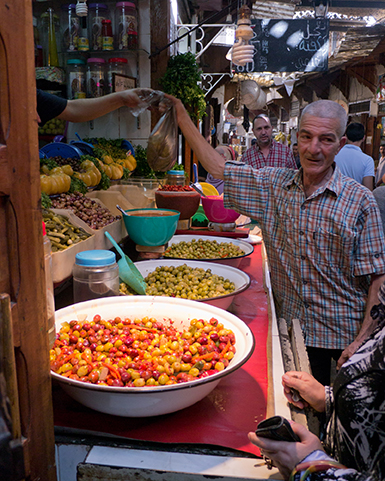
322, 232
266, 152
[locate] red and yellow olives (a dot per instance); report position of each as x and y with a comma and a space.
140, 352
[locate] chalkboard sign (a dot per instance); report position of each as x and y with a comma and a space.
289, 45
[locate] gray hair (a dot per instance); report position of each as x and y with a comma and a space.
327, 109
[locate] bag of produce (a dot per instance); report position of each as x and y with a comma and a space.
162, 149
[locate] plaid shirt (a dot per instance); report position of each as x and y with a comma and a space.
321, 249
279, 156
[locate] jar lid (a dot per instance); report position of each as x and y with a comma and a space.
106, 21
117, 60
95, 60
67, 6
98, 5
176, 172
125, 4
96, 258
75, 61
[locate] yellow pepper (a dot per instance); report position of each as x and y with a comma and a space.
91, 176
55, 183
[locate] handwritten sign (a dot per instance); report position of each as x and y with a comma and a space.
289, 45
122, 82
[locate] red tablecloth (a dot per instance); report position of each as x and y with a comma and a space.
225, 416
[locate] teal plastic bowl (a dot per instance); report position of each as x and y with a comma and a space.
151, 227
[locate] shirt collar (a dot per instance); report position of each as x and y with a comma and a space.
334, 184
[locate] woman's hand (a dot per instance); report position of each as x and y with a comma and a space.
286, 455
311, 391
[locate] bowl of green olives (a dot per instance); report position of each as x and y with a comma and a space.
221, 250
213, 284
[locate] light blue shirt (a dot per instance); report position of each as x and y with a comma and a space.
354, 163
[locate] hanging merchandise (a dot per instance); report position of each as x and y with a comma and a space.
71, 27
95, 77
107, 37
116, 65
126, 26
242, 52
76, 79
97, 13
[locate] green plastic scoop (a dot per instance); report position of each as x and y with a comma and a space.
128, 272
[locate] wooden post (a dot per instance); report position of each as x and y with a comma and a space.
21, 241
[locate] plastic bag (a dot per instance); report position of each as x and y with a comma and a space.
162, 149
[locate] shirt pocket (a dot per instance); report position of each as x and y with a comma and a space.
335, 251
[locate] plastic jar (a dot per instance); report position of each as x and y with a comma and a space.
76, 78
126, 26
116, 65
95, 77
49, 288
97, 13
71, 24
95, 275
176, 177
107, 37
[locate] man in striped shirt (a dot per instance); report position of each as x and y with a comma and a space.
266, 152
322, 231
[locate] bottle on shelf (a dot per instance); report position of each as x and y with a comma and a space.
53, 59
71, 25
116, 65
76, 78
107, 36
83, 43
126, 26
95, 77
97, 13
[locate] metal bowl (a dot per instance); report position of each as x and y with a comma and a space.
230, 261
157, 400
240, 278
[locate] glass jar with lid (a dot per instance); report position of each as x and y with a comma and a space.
126, 26
116, 65
176, 177
71, 27
95, 275
76, 78
95, 77
97, 13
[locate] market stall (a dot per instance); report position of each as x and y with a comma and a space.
219, 423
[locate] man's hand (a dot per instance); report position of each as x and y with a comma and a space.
286, 455
311, 391
347, 353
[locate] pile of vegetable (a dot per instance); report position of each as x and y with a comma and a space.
203, 249
140, 352
88, 210
109, 162
61, 232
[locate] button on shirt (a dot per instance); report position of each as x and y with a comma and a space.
321, 249
279, 156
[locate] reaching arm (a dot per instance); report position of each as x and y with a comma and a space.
368, 323
211, 160
82, 110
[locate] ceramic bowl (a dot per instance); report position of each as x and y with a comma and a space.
157, 400
240, 278
216, 212
246, 247
186, 203
151, 227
